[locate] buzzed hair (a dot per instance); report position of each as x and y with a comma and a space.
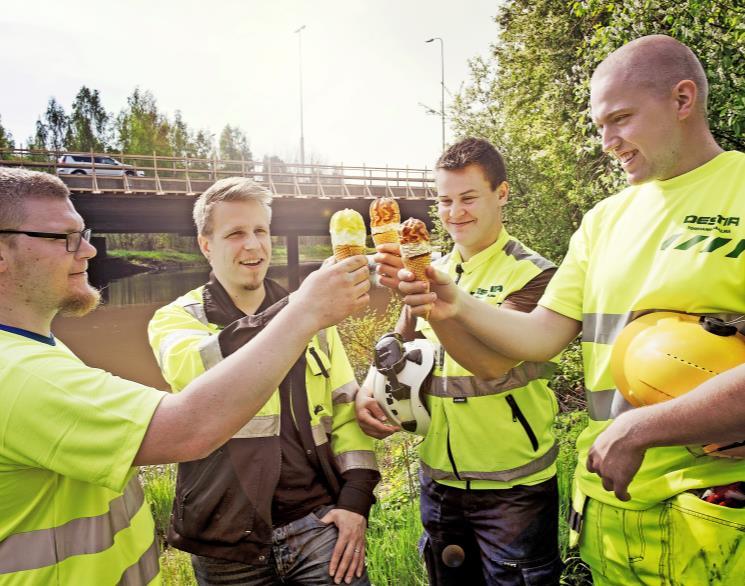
475, 151
18, 185
228, 189
657, 62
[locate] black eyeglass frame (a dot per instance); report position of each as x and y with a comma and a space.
70, 243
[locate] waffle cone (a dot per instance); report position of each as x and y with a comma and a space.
418, 265
389, 237
342, 251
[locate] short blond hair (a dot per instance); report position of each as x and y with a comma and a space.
228, 189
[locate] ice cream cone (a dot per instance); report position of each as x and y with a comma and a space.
416, 251
388, 237
342, 251
385, 219
347, 229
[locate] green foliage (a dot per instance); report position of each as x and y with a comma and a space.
6, 139
234, 147
391, 552
569, 381
159, 484
88, 125
175, 567
359, 334
51, 128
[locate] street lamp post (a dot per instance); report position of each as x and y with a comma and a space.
299, 33
442, 84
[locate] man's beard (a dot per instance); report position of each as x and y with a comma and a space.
80, 304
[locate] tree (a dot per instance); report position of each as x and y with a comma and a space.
141, 128
88, 124
6, 140
234, 147
51, 128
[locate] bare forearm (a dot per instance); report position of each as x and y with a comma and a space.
537, 336
470, 352
218, 403
712, 413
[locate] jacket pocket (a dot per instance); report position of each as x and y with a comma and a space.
519, 416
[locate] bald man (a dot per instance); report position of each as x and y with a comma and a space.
673, 240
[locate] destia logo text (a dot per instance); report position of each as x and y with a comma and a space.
712, 220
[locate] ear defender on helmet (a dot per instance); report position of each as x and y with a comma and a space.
400, 373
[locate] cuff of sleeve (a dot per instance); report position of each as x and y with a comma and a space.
357, 497
557, 306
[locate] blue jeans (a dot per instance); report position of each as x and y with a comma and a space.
509, 536
301, 553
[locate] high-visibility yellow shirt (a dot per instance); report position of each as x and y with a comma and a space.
664, 245
72, 510
490, 434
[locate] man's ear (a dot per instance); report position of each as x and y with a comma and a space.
503, 193
686, 97
204, 245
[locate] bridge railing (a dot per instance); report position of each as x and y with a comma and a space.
170, 175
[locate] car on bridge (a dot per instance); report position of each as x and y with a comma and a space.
103, 165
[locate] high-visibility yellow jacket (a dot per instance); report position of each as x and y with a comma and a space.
72, 510
194, 333
490, 433
674, 245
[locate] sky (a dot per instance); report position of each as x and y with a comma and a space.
365, 67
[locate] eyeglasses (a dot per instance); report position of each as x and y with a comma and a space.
72, 239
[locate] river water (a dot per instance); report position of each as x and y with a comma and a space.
114, 336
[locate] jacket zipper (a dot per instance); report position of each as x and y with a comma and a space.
517, 415
450, 456
319, 362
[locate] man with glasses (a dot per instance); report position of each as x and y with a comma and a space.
71, 508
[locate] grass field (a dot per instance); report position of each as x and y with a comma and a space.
394, 526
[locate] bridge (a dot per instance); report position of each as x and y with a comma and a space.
125, 193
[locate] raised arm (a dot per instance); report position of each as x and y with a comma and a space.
191, 424
537, 336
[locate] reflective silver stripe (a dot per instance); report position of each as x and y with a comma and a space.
602, 328
319, 434
196, 309
607, 404
323, 342
471, 386
345, 393
514, 248
209, 350
356, 459
259, 426
599, 403
146, 568
328, 423
502, 475
87, 535
174, 338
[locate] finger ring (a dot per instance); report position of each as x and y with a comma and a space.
356, 550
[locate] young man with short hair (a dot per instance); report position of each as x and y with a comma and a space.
487, 460
287, 496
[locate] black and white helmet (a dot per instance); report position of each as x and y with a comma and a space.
401, 372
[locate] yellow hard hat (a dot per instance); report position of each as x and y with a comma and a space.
662, 355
